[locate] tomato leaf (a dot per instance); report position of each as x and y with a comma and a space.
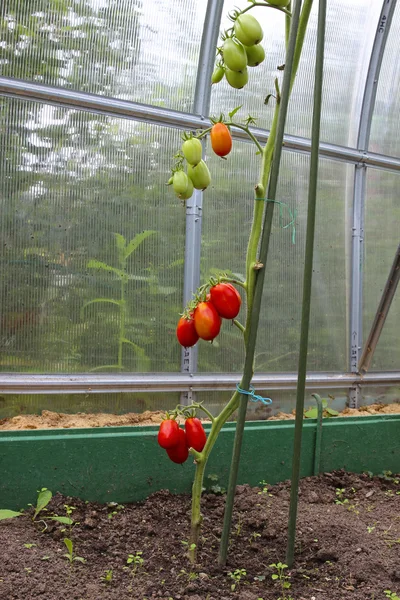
234, 111
8, 514
137, 240
96, 300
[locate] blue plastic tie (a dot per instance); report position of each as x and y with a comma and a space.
292, 215
253, 396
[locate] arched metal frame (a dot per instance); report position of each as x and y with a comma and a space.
188, 380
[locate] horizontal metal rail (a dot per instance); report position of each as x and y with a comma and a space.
16, 88
22, 383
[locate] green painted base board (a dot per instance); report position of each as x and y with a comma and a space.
125, 464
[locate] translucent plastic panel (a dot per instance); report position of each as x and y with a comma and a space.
382, 236
385, 129
349, 36
227, 213
92, 242
142, 51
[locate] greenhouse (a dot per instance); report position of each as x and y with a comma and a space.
199, 303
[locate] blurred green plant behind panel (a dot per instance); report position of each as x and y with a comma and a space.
72, 182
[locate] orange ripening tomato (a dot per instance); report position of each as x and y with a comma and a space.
221, 139
179, 453
226, 300
186, 332
207, 321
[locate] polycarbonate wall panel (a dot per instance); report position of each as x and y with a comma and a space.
350, 34
75, 295
227, 213
385, 129
382, 237
142, 51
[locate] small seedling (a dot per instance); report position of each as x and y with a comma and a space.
214, 486
370, 528
190, 547
280, 575
237, 575
136, 561
70, 554
108, 575
340, 497
29, 546
254, 536
116, 509
191, 576
264, 490
391, 595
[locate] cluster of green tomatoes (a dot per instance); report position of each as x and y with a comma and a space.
241, 48
198, 175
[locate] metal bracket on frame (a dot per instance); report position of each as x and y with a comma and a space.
354, 396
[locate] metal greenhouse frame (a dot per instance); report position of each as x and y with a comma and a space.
189, 381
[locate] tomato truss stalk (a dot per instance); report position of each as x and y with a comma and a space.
255, 268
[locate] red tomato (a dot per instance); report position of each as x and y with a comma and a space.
221, 139
179, 453
207, 321
195, 434
226, 300
168, 434
186, 332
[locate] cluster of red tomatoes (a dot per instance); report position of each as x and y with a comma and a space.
198, 175
177, 441
204, 321
242, 48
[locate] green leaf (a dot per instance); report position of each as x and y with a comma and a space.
98, 264
234, 111
332, 412
143, 361
44, 498
274, 576
69, 545
80, 559
137, 240
8, 514
63, 520
312, 413
109, 300
120, 241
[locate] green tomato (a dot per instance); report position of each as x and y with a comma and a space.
282, 3
255, 55
200, 175
189, 191
180, 182
218, 74
237, 80
235, 56
192, 150
248, 30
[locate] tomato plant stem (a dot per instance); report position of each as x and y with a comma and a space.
280, 8
270, 171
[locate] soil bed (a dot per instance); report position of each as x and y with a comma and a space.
343, 551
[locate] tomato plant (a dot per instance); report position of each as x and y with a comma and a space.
235, 79
195, 435
207, 321
226, 300
199, 175
186, 331
180, 452
234, 54
168, 434
221, 139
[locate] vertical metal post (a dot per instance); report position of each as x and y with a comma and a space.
201, 106
360, 176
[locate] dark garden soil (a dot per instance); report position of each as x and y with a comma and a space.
343, 551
